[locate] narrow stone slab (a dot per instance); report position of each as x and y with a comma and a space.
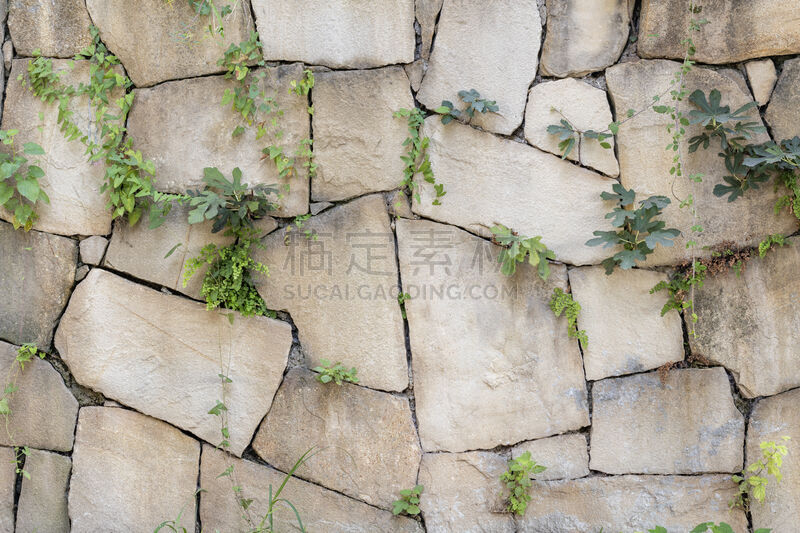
783, 112
55, 29
43, 499
492, 364
118, 455
762, 76
162, 355
8, 479
565, 456
427, 11
369, 447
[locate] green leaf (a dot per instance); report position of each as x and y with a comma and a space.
29, 188
32, 149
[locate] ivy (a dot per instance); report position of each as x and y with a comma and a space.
416, 159
562, 302
516, 249
19, 181
475, 104
517, 480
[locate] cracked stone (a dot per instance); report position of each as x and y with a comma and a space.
8, 478
43, 498
783, 112
56, 29
427, 11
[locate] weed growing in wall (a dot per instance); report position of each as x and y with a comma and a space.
19, 181
518, 249
336, 373
517, 480
562, 302
408, 504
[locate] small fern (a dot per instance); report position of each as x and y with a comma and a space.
562, 302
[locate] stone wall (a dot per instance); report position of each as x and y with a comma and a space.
641, 427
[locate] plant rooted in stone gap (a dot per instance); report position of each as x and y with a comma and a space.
517, 480
19, 181
417, 160
474, 104
408, 503
516, 248
337, 373
753, 480
562, 302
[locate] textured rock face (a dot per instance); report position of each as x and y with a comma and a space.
162, 355
565, 456
464, 60
647, 340
585, 107
344, 279
56, 29
469, 353
43, 500
427, 11
686, 425
8, 478
762, 78
527, 190
357, 142
320, 509
181, 149
583, 37
158, 42
644, 164
93, 249
369, 445
338, 33
782, 113
119, 457
73, 184
30, 310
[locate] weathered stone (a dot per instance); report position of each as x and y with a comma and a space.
130, 472
56, 29
157, 41
8, 56
415, 72
81, 273
93, 249
337, 33
462, 493
585, 107
464, 60
73, 184
43, 499
8, 478
369, 445
527, 190
631, 503
181, 149
36, 275
162, 354
565, 456
264, 226
399, 205
762, 78
357, 142
339, 281
320, 509
771, 420
318, 207
647, 341
783, 112
686, 424
464, 371
751, 323
427, 11
645, 164
583, 37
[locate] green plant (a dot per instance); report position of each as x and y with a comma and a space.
402, 298
304, 85
772, 241
474, 104
408, 502
515, 249
25, 354
518, 482
753, 480
417, 160
680, 285
19, 181
337, 373
562, 302
569, 135
711, 527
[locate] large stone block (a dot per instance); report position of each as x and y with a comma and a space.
55, 29
8, 478
783, 113
43, 498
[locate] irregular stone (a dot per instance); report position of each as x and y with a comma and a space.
93, 249
647, 341
645, 165
399, 205
36, 275
466, 160
782, 114
55, 29
118, 453
337, 33
76, 206
631, 503
762, 78
427, 11
320, 509
462, 371
464, 60
565, 456
43, 499
81, 273
162, 355
585, 107
357, 142
181, 149
771, 420
8, 56
339, 281
583, 37
751, 323
318, 207
463, 493
8, 478
264, 226
158, 42
738, 30
415, 72
370, 447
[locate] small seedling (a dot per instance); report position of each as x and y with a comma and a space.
408, 502
474, 104
337, 373
515, 249
518, 481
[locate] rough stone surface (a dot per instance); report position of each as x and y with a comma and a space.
644, 164
81, 273
762, 78
464, 60
76, 206
771, 420
30, 309
751, 324
583, 37
585, 107
337, 33
686, 424
370, 447
93, 249
340, 282
7, 481
427, 11
181, 149
318, 207
631, 503
399, 205
565, 456
8, 56
462, 493
415, 72
43, 500
56, 29
320, 509
647, 340
783, 112
157, 41
162, 354
476, 386
525, 189
130, 472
